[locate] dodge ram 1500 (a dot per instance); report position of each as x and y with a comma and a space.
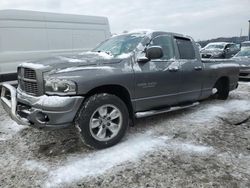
126, 77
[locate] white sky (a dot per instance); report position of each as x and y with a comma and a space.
201, 19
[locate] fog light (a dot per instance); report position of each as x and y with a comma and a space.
41, 117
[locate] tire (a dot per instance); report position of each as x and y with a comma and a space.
222, 88
99, 128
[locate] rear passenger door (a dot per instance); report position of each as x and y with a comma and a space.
191, 70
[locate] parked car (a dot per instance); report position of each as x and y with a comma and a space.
243, 58
219, 50
245, 44
126, 77
29, 35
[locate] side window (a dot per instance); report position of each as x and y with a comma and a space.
232, 48
186, 48
235, 47
165, 42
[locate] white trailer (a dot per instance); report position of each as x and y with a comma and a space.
29, 35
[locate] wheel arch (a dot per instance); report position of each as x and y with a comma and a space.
118, 91
222, 86
223, 79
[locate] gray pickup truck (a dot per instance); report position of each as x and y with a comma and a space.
126, 77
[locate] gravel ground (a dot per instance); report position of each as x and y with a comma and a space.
204, 146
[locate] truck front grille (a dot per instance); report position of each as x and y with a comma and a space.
27, 81
29, 74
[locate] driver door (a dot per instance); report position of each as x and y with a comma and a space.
157, 81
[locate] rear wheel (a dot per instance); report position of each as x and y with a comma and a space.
103, 120
221, 90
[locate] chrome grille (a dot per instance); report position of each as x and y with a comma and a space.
29, 73
27, 81
30, 87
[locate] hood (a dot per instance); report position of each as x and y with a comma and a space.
63, 62
242, 61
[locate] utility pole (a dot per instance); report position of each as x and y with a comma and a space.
240, 40
249, 31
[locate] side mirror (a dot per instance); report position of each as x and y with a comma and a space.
154, 52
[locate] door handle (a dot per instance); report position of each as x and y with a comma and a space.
198, 68
173, 69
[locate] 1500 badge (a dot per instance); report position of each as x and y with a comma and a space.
147, 85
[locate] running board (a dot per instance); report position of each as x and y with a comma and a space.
155, 112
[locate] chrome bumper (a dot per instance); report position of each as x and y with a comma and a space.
42, 111
9, 103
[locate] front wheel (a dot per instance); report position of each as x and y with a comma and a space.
103, 120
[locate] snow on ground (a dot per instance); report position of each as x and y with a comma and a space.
135, 147
191, 148
33, 165
219, 109
132, 149
8, 127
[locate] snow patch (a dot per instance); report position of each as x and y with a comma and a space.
33, 165
212, 111
191, 148
103, 55
134, 148
142, 31
124, 55
54, 101
8, 127
86, 68
98, 162
72, 60
33, 65
244, 83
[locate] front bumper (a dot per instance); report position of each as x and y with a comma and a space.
40, 112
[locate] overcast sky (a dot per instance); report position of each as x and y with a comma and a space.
202, 19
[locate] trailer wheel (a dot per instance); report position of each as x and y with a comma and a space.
102, 120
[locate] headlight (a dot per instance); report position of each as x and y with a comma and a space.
60, 87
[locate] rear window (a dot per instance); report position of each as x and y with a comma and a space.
186, 49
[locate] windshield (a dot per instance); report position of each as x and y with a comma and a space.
244, 53
121, 44
215, 46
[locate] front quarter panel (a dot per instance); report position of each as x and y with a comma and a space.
90, 77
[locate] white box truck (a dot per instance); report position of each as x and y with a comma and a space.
30, 35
